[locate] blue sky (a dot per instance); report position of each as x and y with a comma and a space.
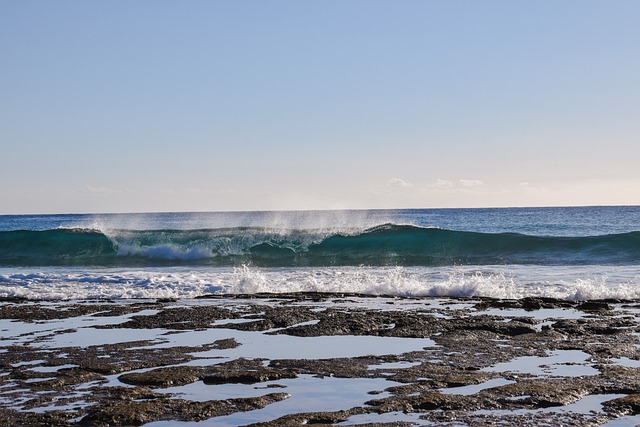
124, 106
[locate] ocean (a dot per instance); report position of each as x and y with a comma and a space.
577, 253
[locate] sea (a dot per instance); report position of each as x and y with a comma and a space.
575, 253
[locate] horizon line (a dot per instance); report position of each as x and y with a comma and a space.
231, 211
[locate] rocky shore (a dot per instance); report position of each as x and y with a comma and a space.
224, 360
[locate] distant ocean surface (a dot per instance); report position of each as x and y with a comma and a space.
573, 253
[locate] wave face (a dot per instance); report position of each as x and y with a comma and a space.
384, 245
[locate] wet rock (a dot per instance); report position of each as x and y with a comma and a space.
533, 418
318, 419
178, 318
273, 318
225, 344
528, 303
598, 326
241, 371
359, 322
164, 377
117, 358
66, 378
340, 367
510, 328
32, 311
429, 401
250, 377
619, 379
439, 376
138, 413
257, 375
13, 418
624, 405
543, 393
468, 343
109, 395
600, 306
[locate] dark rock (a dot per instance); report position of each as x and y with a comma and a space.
594, 306
164, 377
466, 345
13, 418
138, 413
247, 377
178, 318
623, 405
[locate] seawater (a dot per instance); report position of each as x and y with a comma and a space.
573, 253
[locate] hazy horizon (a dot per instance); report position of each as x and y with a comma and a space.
314, 210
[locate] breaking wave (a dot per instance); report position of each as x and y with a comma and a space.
384, 245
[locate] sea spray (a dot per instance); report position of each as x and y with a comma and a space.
515, 281
384, 245
572, 253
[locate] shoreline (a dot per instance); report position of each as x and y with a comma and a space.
281, 359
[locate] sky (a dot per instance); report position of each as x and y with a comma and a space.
147, 106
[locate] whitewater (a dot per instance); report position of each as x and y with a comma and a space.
581, 253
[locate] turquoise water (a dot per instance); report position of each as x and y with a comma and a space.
421, 251
384, 245
555, 221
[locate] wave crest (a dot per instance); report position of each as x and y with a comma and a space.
383, 245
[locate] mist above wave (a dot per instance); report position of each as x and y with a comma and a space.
383, 245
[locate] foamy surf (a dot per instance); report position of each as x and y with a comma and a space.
570, 253
512, 282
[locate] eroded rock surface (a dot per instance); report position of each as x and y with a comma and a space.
493, 362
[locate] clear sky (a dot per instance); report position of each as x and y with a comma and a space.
184, 105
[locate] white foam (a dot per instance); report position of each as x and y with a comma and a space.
573, 283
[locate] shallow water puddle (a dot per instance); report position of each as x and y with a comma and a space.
307, 393
630, 420
389, 417
625, 361
47, 333
223, 322
436, 305
252, 344
28, 363
393, 365
476, 388
586, 405
565, 363
86, 337
46, 369
256, 344
589, 404
539, 314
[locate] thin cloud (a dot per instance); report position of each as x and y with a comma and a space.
105, 190
92, 189
399, 183
443, 183
471, 182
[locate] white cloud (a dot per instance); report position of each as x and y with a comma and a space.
471, 182
399, 183
92, 189
443, 183
106, 190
